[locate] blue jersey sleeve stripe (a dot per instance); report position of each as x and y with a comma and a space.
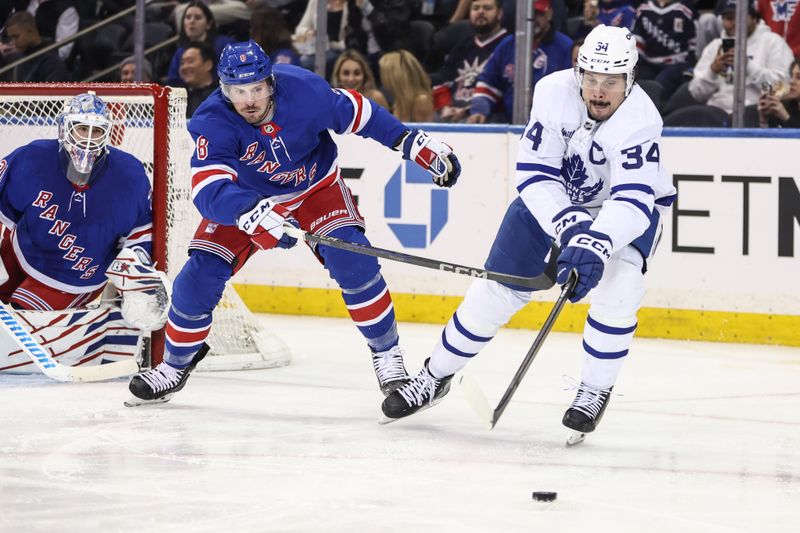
632, 187
604, 355
644, 209
538, 167
468, 334
534, 179
667, 200
611, 330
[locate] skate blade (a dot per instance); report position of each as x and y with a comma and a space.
133, 401
575, 438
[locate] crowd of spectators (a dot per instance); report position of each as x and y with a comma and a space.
431, 60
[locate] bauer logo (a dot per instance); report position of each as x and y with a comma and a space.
415, 209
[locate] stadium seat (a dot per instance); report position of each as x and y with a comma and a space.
698, 116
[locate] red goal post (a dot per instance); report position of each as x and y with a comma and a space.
150, 123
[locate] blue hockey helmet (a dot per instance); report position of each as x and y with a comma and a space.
84, 129
243, 63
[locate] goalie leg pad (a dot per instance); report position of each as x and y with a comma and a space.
363, 289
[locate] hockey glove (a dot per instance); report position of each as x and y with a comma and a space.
145, 291
569, 222
264, 223
587, 252
434, 156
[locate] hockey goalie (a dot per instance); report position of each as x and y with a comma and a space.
76, 242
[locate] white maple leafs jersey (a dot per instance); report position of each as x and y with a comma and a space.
611, 168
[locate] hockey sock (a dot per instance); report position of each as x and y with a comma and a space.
605, 347
370, 307
455, 348
184, 335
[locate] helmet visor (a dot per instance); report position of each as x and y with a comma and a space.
247, 93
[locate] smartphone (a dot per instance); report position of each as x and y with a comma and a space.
766, 88
728, 43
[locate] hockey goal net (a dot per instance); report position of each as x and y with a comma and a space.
150, 123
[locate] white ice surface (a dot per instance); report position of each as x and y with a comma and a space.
700, 437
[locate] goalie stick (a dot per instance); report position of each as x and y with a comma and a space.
472, 391
543, 281
52, 368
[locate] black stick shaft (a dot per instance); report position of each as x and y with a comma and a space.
537, 344
541, 282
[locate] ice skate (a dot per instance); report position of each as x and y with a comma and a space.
390, 370
421, 392
159, 384
585, 413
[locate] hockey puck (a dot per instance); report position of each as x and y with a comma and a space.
544, 496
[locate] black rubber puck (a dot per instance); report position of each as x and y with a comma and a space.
544, 496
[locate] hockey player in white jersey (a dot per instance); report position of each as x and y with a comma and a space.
590, 178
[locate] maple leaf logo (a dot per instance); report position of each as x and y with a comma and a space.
573, 170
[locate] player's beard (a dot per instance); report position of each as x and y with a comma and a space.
269, 112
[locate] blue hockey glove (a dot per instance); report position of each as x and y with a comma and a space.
587, 252
264, 224
434, 156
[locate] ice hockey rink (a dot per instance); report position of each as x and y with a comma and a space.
700, 437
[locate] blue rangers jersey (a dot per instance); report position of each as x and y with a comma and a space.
236, 164
611, 168
65, 237
666, 34
495, 87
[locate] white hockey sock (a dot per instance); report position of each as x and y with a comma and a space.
486, 307
605, 348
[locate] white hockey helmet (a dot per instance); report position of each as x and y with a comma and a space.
84, 129
608, 50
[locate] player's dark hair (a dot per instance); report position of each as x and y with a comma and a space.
207, 52
211, 34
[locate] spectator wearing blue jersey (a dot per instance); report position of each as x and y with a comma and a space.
618, 13
494, 93
197, 25
269, 29
666, 38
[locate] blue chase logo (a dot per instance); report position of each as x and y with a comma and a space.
414, 235
575, 176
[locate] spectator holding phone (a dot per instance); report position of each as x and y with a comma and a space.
779, 106
768, 60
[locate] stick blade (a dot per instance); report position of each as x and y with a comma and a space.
473, 394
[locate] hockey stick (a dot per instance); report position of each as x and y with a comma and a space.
543, 281
473, 393
52, 368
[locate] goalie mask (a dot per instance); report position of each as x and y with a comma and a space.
84, 128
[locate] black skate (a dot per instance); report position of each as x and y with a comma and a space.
422, 392
585, 413
159, 384
389, 369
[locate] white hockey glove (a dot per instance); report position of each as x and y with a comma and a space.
145, 291
434, 156
264, 223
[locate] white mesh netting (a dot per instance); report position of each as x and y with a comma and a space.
28, 113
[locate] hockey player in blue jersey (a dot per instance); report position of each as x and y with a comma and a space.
68, 208
263, 158
589, 178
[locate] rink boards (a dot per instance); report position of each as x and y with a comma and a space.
726, 268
